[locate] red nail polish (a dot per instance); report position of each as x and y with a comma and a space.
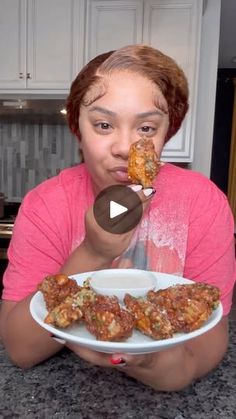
118, 361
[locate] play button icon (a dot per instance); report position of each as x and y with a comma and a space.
118, 209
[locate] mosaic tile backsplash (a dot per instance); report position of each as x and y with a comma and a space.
30, 154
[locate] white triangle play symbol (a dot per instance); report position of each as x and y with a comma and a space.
116, 209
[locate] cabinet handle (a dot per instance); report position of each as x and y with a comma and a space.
28, 76
21, 76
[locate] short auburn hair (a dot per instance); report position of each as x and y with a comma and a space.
144, 60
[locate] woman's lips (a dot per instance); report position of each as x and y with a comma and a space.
120, 174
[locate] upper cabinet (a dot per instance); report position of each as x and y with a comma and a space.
54, 42
41, 43
112, 24
45, 43
12, 44
174, 27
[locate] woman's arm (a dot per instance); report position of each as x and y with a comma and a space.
176, 368
25, 341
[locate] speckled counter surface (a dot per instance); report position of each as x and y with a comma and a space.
67, 387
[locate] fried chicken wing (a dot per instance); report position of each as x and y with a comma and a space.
56, 288
64, 314
71, 309
149, 319
187, 306
107, 321
143, 163
197, 291
205, 292
188, 315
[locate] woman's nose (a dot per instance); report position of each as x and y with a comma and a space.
121, 145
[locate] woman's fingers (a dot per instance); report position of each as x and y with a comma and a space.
143, 194
97, 358
127, 360
109, 236
124, 196
136, 203
117, 360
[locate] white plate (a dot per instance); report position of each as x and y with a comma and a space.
137, 343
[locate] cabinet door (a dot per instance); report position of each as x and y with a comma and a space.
174, 27
12, 44
112, 24
55, 42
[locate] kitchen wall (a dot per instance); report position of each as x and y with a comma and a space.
31, 153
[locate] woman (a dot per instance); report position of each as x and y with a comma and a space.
186, 228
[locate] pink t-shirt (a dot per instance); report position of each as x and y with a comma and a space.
187, 230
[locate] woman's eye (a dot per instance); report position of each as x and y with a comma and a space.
147, 129
103, 125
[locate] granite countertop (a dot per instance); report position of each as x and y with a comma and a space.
67, 387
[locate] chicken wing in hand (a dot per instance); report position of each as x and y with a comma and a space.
143, 162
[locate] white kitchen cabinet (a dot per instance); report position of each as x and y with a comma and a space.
112, 24
174, 27
41, 43
45, 43
12, 44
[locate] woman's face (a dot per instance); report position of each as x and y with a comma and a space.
132, 106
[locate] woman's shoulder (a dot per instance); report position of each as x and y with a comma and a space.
185, 181
60, 188
181, 190
66, 177
177, 173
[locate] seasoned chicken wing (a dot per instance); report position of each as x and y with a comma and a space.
205, 292
197, 291
56, 288
187, 306
188, 315
64, 314
149, 319
143, 163
71, 309
107, 320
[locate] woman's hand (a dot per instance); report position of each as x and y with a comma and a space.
108, 245
160, 370
171, 369
100, 248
